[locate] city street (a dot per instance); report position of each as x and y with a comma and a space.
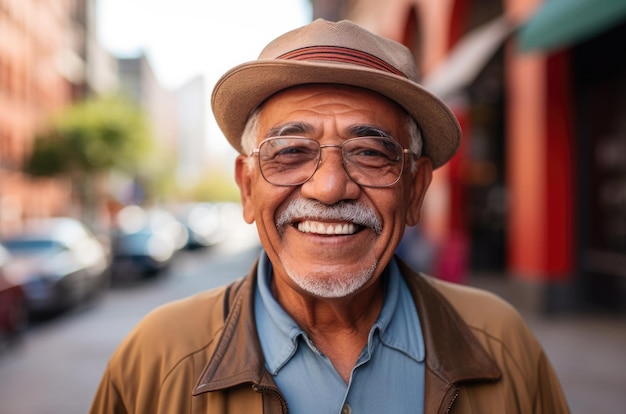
57, 365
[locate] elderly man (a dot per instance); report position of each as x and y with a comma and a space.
337, 142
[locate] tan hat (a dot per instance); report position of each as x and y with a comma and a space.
335, 53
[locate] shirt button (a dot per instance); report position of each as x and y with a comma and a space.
346, 409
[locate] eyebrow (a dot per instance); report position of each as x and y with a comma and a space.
368, 131
299, 128
291, 128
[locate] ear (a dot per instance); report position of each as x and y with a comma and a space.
420, 181
243, 177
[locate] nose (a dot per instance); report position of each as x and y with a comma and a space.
330, 183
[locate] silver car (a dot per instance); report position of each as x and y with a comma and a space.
58, 262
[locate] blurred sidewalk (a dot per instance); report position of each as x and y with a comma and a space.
588, 351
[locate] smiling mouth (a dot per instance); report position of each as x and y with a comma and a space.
332, 229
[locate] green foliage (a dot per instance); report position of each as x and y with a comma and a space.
159, 174
215, 186
92, 136
47, 158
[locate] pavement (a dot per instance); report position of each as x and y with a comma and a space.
587, 350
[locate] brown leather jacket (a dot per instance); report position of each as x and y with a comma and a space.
202, 355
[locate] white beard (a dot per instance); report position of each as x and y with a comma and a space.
330, 286
335, 285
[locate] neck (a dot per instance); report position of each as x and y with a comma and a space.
339, 327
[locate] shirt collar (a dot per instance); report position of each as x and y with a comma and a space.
398, 325
279, 333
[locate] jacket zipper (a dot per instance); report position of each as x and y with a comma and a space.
451, 403
271, 390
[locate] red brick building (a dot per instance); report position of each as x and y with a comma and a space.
35, 66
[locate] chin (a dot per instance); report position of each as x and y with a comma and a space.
331, 286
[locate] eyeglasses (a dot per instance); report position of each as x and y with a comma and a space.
368, 161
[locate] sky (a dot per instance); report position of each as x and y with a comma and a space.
186, 38
183, 38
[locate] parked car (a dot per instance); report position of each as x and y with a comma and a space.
205, 223
13, 313
58, 262
145, 242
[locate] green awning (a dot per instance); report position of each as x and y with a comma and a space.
563, 23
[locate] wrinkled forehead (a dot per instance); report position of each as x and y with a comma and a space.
320, 102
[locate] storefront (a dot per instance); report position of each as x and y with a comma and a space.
589, 38
599, 67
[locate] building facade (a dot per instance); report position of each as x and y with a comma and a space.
192, 132
50, 58
34, 84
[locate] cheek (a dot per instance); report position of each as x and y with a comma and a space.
266, 202
390, 205
259, 199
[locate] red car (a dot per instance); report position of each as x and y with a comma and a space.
13, 312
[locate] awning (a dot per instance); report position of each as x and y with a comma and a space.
562, 23
467, 59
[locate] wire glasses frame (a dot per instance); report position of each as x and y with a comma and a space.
368, 161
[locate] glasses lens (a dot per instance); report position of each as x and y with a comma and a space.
369, 161
288, 160
373, 161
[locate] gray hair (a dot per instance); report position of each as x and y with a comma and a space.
251, 132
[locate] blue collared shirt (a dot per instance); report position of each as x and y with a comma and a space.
387, 378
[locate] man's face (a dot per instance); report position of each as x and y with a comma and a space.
304, 255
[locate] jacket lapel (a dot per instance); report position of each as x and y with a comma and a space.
238, 358
453, 354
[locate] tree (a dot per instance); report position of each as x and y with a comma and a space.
88, 139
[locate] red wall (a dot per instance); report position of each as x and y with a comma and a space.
559, 140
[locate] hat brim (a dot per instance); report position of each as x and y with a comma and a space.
245, 87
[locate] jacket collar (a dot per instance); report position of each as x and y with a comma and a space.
238, 358
458, 360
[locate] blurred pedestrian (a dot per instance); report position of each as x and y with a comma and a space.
337, 142
416, 249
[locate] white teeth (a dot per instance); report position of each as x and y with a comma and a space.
323, 228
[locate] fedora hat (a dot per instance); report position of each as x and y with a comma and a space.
335, 53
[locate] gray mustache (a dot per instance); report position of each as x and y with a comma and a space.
342, 211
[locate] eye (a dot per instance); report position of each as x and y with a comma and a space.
372, 149
289, 151
367, 152
293, 150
